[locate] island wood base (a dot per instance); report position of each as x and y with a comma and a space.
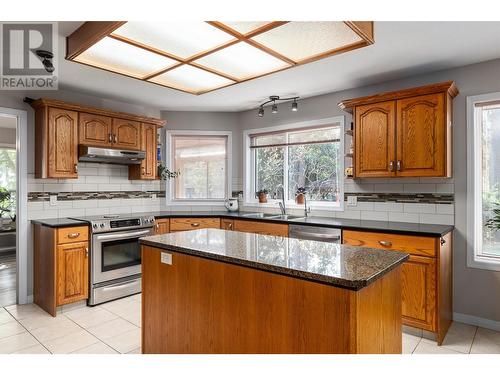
199, 305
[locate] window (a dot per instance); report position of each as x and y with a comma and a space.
202, 159
484, 181
305, 155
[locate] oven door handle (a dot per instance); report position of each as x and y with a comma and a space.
118, 236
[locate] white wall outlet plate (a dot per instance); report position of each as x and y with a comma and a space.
153, 196
352, 200
53, 200
166, 258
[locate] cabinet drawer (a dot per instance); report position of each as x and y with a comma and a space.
260, 227
415, 245
193, 223
72, 234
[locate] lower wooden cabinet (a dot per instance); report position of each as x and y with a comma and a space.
72, 272
162, 226
61, 266
192, 223
426, 276
261, 227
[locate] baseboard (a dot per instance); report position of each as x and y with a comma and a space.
30, 298
477, 321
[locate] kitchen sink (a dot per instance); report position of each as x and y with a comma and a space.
258, 215
286, 217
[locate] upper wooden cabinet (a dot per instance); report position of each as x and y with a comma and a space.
126, 134
94, 130
60, 127
405, 133
59, 153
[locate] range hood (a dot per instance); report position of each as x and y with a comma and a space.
109, 155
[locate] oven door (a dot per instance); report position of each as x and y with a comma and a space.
116, 255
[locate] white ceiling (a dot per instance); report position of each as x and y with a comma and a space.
401, 49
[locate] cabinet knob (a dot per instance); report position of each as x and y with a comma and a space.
75, 168
110, 138
443, 241
385, 243
114, 138
399, 165
231, 226
391, 166
157, 227
86, 252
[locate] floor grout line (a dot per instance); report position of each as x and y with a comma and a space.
473, 338
27, 330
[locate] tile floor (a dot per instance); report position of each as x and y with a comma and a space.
114, 328
7, 279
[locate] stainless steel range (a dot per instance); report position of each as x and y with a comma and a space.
115, 256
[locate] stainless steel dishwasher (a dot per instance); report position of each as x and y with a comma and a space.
309, 232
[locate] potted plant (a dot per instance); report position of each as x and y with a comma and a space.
5, 203
300, 195
166, 174
262, 195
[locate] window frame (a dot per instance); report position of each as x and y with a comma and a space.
474, 197
169, 162
249, 170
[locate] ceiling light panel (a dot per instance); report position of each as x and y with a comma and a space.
241, 61
302, 40
181, 39
192, 79
245, 27
124, 58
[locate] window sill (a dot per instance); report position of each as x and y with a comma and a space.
484, 263
315, 207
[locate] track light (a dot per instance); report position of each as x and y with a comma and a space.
46, 57
274, 108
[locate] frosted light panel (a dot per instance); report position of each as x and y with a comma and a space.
241, 60
181, 39
245, 27
191, 79
301, 40
124, 58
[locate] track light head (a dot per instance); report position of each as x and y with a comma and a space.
295, 106
261, 111
274, 108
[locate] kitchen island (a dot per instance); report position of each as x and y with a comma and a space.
217, 291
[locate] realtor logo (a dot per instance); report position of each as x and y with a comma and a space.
29, 56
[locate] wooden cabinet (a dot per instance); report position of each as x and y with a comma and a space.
405, 133
374, 140
94, 130
227, 224
162, 226
426, 276
126, 134
147, 169
261, 227
60, 127
61, 268
191, 223
61, 149
72, 272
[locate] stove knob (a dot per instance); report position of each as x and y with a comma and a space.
102, 225
94, 226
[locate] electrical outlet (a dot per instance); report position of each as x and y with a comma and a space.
166, 258
53, 200
153, 196
352, 200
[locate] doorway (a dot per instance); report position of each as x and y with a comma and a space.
13, 207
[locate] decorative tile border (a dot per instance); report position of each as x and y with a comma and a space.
430, 198
86, 195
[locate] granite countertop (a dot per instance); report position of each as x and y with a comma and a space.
59, 223
430, 230
338, 265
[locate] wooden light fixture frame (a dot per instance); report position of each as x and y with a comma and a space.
93, 31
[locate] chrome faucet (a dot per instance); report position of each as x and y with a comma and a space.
282, 203
307, 210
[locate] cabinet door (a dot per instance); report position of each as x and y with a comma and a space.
148, 165
72, 272
374, 140
126, 134
94, 130
422, 141
261, 227
162, 226
419, 292
62, 143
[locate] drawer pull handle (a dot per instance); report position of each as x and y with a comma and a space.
385, 243
230, 225
86, 252
443, 241
195, 224
110, 137
73, 235
391, 166
399, 165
